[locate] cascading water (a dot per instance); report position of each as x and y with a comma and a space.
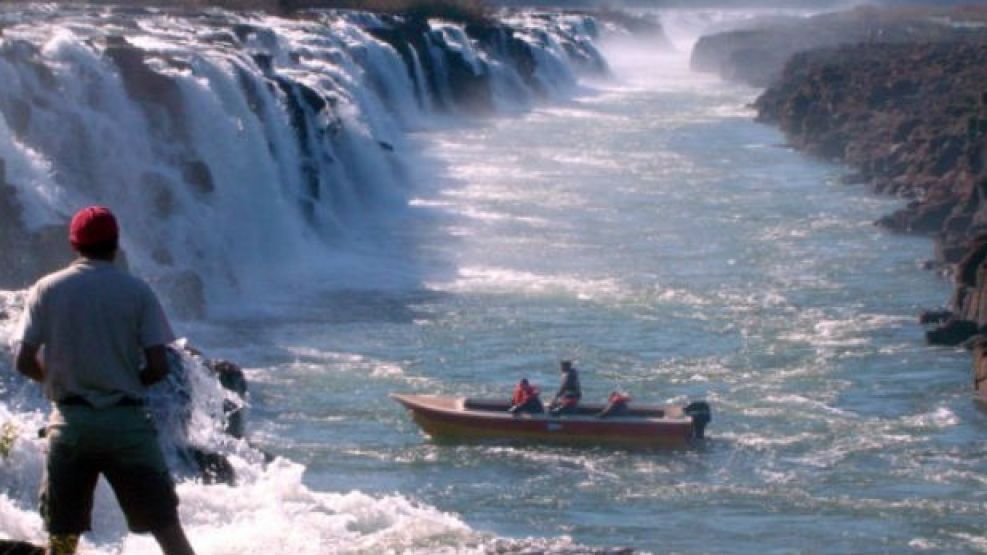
314, 184
242, 153
232, 146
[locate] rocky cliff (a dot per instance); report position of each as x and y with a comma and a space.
900, 96
911, 119
903, 102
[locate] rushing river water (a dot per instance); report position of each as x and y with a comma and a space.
650, 230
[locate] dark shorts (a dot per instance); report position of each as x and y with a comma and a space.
532, 406
121, 444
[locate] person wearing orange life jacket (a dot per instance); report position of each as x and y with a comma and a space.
616, 405
526, 399
570, 392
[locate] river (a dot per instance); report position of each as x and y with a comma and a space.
649, 229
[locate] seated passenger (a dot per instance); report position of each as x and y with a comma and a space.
570, 392
526, 399
616, 405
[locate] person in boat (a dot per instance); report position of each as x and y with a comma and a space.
526, 399
617, 405
570, 392
97, 324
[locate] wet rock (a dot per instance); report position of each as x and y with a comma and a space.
214, 468
934, 316
980, 365
232, 378
173, 397
160, 189
13, 547
160, 96
952, 332
198, 175
28, 254
906, 117
457, 83
162, 256
184, 291
919, 217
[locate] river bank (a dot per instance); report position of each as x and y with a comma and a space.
642, 224
898, 96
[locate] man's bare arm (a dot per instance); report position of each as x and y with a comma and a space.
27, 362
157, 365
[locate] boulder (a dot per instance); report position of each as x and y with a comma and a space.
170, 402
980, 365
183, 289
934, 316
232, 379
952, 332
28, 254
13, 547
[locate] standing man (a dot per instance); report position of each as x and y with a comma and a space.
96, 323
570, 392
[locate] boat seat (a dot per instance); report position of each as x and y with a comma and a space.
495, 405
492, 405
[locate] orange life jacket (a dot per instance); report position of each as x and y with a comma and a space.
522, 394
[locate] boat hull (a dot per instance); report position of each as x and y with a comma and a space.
458, 419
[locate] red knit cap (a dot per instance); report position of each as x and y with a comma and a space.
92, 225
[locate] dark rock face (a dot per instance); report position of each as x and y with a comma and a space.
449, 76
907, 118
184, 289
952, 332
27, 254
232, 379
10, 547
934, 316
980, 367
171, 403
458, 83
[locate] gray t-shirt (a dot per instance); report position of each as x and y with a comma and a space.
93, 321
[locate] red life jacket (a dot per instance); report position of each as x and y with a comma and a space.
518, 397
522, 394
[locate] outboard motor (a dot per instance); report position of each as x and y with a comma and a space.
701, 415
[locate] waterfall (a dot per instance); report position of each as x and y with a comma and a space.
237, 149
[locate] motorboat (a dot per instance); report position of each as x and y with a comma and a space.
453, 418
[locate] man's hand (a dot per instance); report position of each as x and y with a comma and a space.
27, 362
157, 365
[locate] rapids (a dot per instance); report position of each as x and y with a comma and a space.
636, 220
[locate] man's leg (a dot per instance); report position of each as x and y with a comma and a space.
172, 540
66, 490
62, 544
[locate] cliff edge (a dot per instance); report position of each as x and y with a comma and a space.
900, 96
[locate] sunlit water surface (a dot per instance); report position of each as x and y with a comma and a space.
677, 250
